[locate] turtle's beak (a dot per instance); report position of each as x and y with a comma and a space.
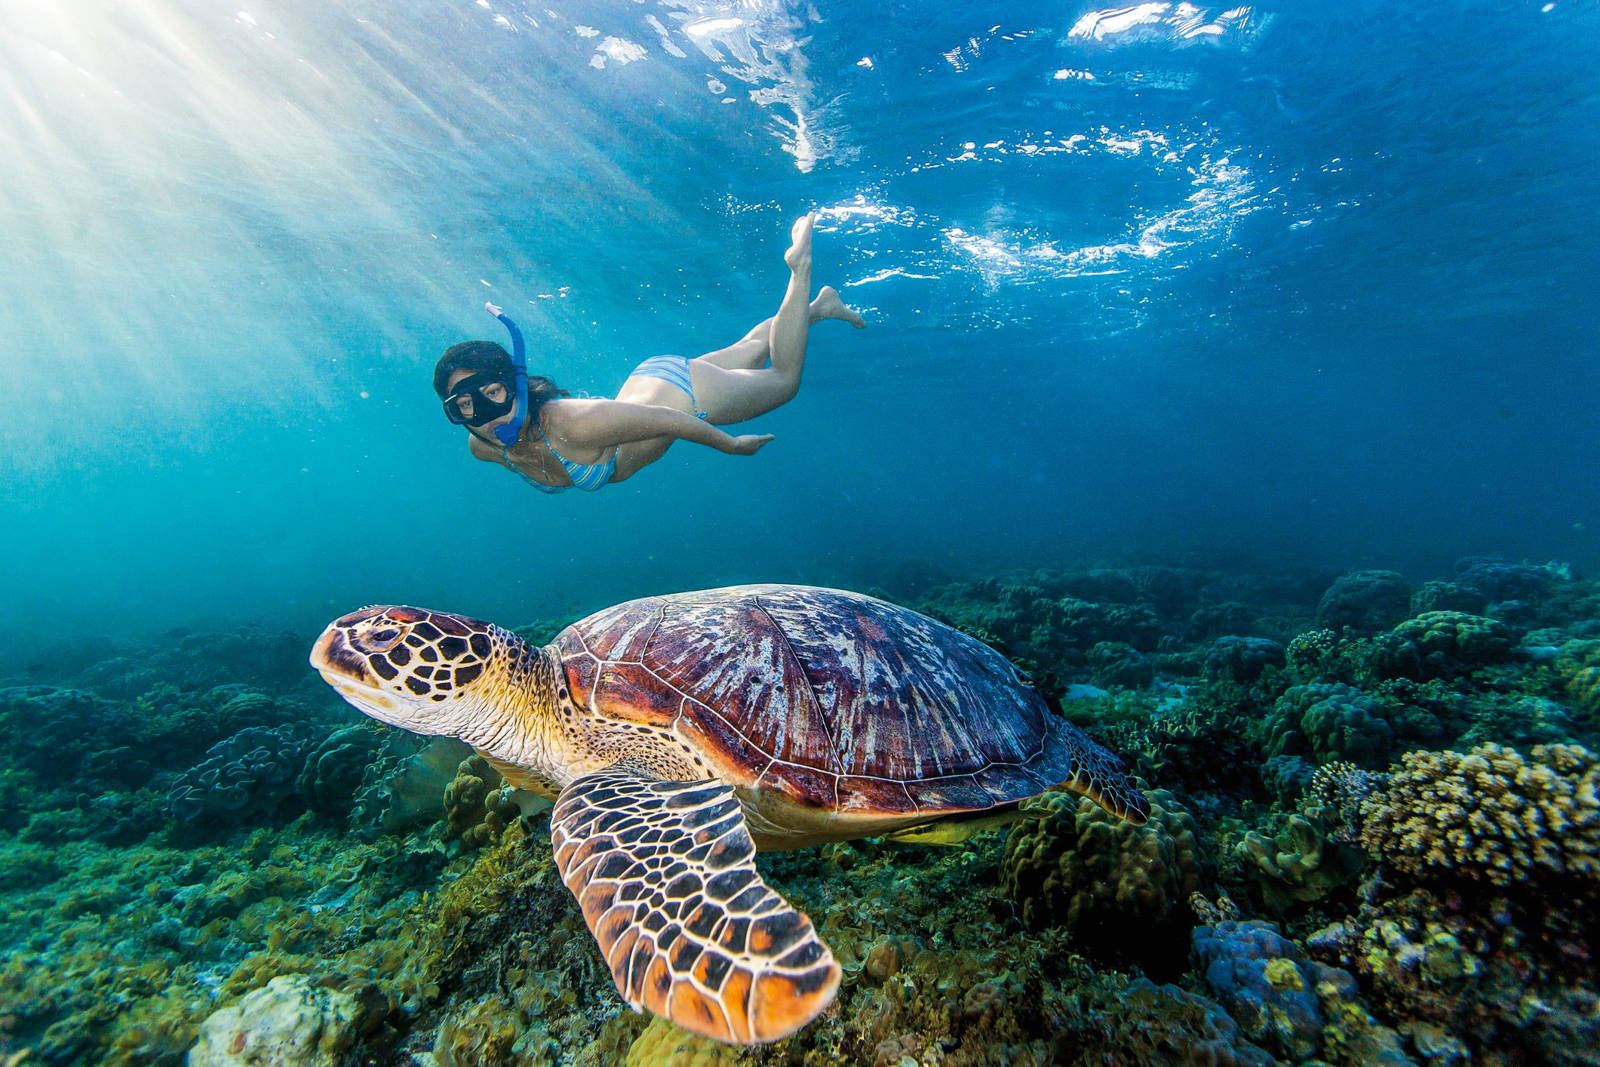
337, 662
346, 670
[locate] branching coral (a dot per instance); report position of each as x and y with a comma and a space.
1488, 815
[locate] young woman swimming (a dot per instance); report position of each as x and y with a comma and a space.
555, 441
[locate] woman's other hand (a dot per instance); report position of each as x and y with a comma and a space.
493, 309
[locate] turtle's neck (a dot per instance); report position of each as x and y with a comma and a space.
517, 720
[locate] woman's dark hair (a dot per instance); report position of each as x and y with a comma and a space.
487, 357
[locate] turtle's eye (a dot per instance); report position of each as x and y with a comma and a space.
379, 639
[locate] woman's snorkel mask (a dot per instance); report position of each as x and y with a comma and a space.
485, 410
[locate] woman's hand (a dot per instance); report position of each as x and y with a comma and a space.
747, 444
493, 309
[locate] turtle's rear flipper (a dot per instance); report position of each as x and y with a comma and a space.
666, 877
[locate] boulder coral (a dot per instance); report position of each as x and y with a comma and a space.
1242, 659
292, 1019
1286, 1003
1442, 644
1327, 722
1365, 602
1578, 664
1119, 888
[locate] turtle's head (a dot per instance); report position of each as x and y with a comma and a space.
429, 672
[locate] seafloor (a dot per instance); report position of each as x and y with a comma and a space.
1375, 840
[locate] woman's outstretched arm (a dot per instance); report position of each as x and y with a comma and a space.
599, 424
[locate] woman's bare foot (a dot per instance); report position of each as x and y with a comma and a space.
799, 255
828, 305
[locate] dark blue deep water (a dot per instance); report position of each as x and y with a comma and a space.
1307, 284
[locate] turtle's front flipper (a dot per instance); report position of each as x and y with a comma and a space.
666, 876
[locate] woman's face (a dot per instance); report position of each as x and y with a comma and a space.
494, 392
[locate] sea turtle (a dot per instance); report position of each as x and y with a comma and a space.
677, 734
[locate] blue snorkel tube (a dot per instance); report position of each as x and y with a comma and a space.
507, 435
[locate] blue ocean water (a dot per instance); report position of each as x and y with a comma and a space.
1307, 283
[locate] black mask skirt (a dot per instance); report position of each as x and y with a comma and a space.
484, 410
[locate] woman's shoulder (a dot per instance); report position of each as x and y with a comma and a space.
564, 411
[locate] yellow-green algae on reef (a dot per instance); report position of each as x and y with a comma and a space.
115, 955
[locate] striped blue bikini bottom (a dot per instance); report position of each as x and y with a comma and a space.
674, 370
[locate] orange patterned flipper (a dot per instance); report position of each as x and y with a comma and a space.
665, 873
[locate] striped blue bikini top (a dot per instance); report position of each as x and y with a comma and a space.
585, 476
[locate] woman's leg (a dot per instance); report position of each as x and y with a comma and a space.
752, 351
736, 394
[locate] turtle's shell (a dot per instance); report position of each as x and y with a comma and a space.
837, 700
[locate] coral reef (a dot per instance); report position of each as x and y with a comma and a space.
1442, 644
1326, 722
1488, 815
334, 769
404, 787
249, 776
1242, 659
1365, 602
1578, 663
393, 895
1293, 1007
1117, 887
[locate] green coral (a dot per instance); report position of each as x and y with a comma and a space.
1299, 864
1116, 886
1578, 663
1441, 644
1327, 722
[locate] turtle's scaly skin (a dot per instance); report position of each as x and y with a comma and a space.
679, 733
